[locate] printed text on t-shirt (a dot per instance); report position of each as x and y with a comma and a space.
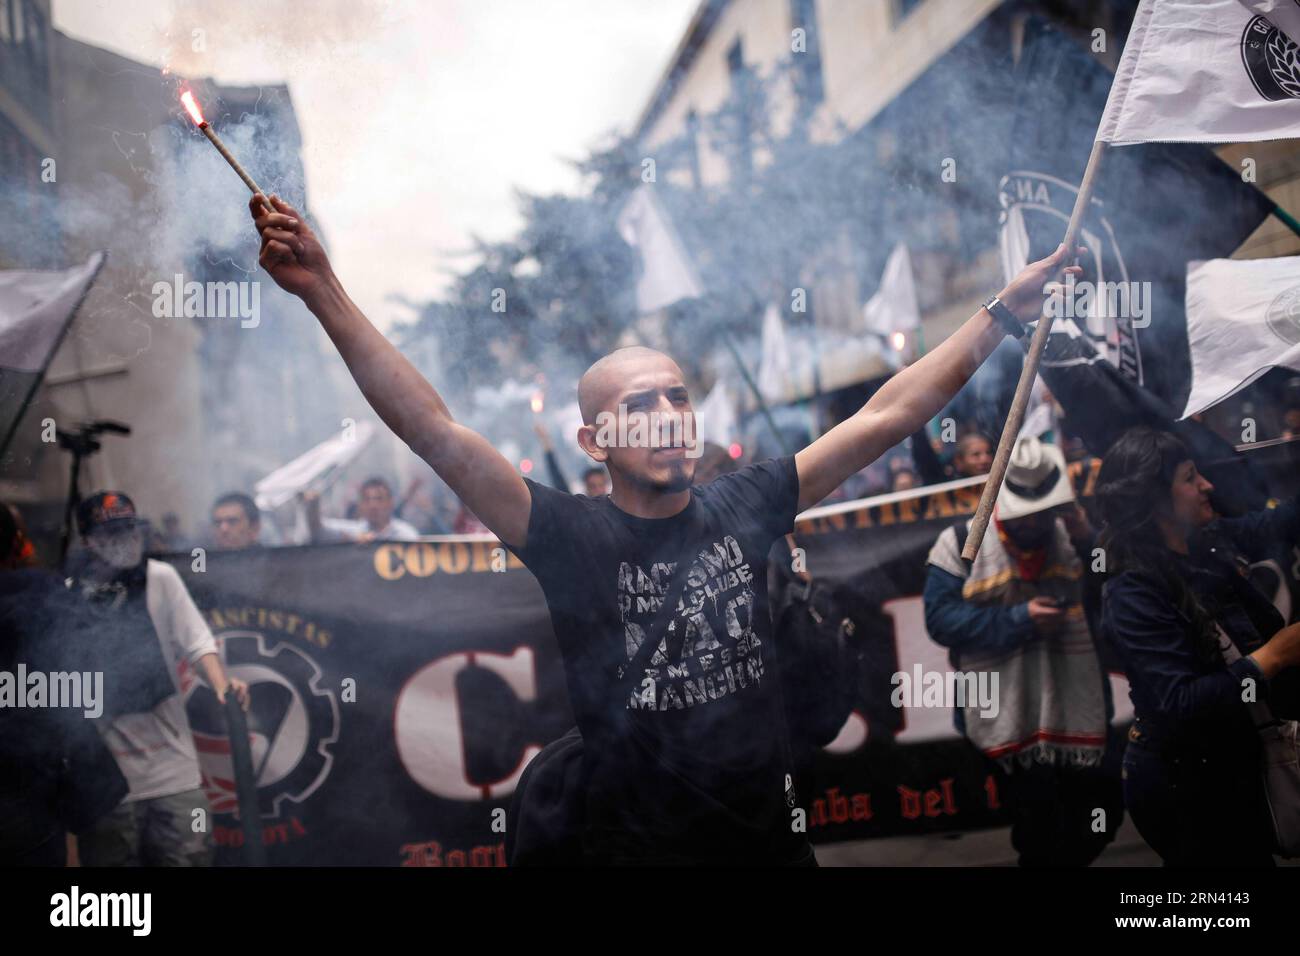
719, 653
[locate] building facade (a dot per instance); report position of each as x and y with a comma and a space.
902, 79
214, 401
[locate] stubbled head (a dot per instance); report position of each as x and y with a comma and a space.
595, 481
904, 480
375, 503
637, 419
974, 455
236, 522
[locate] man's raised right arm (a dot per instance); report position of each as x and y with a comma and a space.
478, 474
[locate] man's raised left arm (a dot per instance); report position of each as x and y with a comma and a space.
919, 392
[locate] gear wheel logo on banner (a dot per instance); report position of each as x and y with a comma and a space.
292, 723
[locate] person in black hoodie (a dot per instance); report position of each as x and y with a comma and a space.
1176, 596
56, 775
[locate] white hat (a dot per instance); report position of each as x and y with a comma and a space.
1036, 480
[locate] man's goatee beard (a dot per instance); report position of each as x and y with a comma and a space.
678, 480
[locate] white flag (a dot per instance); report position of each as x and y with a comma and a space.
666, 273
1283, 14
893, 308
315, 469
715, 417
1203, 71
774, 366
36, 308
1243, 318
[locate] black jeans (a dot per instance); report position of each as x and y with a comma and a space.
1054, 814
1195, 809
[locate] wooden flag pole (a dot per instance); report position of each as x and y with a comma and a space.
1016, 416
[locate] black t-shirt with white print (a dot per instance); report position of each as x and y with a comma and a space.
691, 764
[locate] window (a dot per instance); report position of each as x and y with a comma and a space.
803, 14
903, 9
736, 58
742, 96
693, 146
35, 26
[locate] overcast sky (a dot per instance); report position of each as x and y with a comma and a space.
419, 117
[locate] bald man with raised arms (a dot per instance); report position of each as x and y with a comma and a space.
685, 762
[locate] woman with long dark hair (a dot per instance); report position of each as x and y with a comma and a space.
1198, 641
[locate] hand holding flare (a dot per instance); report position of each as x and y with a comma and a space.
192, 107
291, 254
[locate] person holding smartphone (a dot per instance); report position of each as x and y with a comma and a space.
1017, 613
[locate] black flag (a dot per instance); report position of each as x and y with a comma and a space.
1156, 206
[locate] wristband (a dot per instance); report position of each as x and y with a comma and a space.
1004, 316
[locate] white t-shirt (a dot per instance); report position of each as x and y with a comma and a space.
345, 529
155, 750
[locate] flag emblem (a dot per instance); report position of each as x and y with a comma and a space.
1283, 316
1035, 208
1272, 60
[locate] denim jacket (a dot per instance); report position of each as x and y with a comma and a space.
1185, 701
